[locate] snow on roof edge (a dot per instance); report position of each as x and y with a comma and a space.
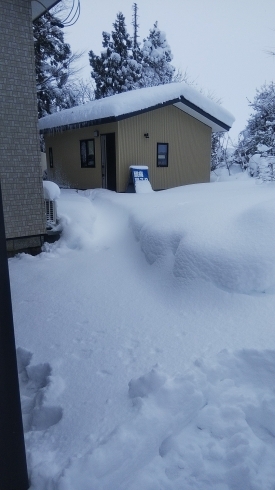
135, 101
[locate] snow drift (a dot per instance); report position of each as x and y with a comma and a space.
147, 341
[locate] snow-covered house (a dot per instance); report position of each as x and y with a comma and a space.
20, 170
167, 128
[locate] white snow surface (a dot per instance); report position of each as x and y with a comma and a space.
135, 100
143, 186
51, 190
146, 341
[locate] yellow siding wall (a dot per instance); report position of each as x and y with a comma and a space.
67, 169
189, 148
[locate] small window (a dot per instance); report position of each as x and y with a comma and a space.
162, 154
87, 153
51, 157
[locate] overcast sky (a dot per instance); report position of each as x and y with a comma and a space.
222, 44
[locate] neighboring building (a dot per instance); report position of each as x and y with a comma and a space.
167, 128
20, 169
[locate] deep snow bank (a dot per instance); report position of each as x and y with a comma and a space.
77, 218
220, 232
210, 428
226, 237
109, 402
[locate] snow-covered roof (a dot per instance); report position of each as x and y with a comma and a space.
134, 102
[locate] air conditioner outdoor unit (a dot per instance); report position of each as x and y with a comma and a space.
50, 208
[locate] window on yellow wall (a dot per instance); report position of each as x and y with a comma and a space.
87, 153
162, 154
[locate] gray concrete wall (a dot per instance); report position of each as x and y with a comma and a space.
20, 169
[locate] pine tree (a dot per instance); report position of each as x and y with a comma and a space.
115, 70
259, 135
157, 57
123, 65
53, 65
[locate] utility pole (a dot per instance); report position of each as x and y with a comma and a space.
136, 26
13, 466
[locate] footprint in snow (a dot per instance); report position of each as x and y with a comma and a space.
34, 381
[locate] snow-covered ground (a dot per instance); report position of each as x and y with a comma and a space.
147, 343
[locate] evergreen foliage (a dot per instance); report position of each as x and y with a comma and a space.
123, 65
258, 138
115, 70
156, 57
53, 60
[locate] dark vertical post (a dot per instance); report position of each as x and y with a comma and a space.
13, 466
135, 36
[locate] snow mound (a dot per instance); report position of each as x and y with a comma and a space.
240, 256
211, 428
254, 163
114, 335
77, 219
189, 232
221, 174
51, 190
143, 186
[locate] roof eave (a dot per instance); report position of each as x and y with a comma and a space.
203, 116
180, 102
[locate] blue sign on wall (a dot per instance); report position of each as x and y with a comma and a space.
139, 174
